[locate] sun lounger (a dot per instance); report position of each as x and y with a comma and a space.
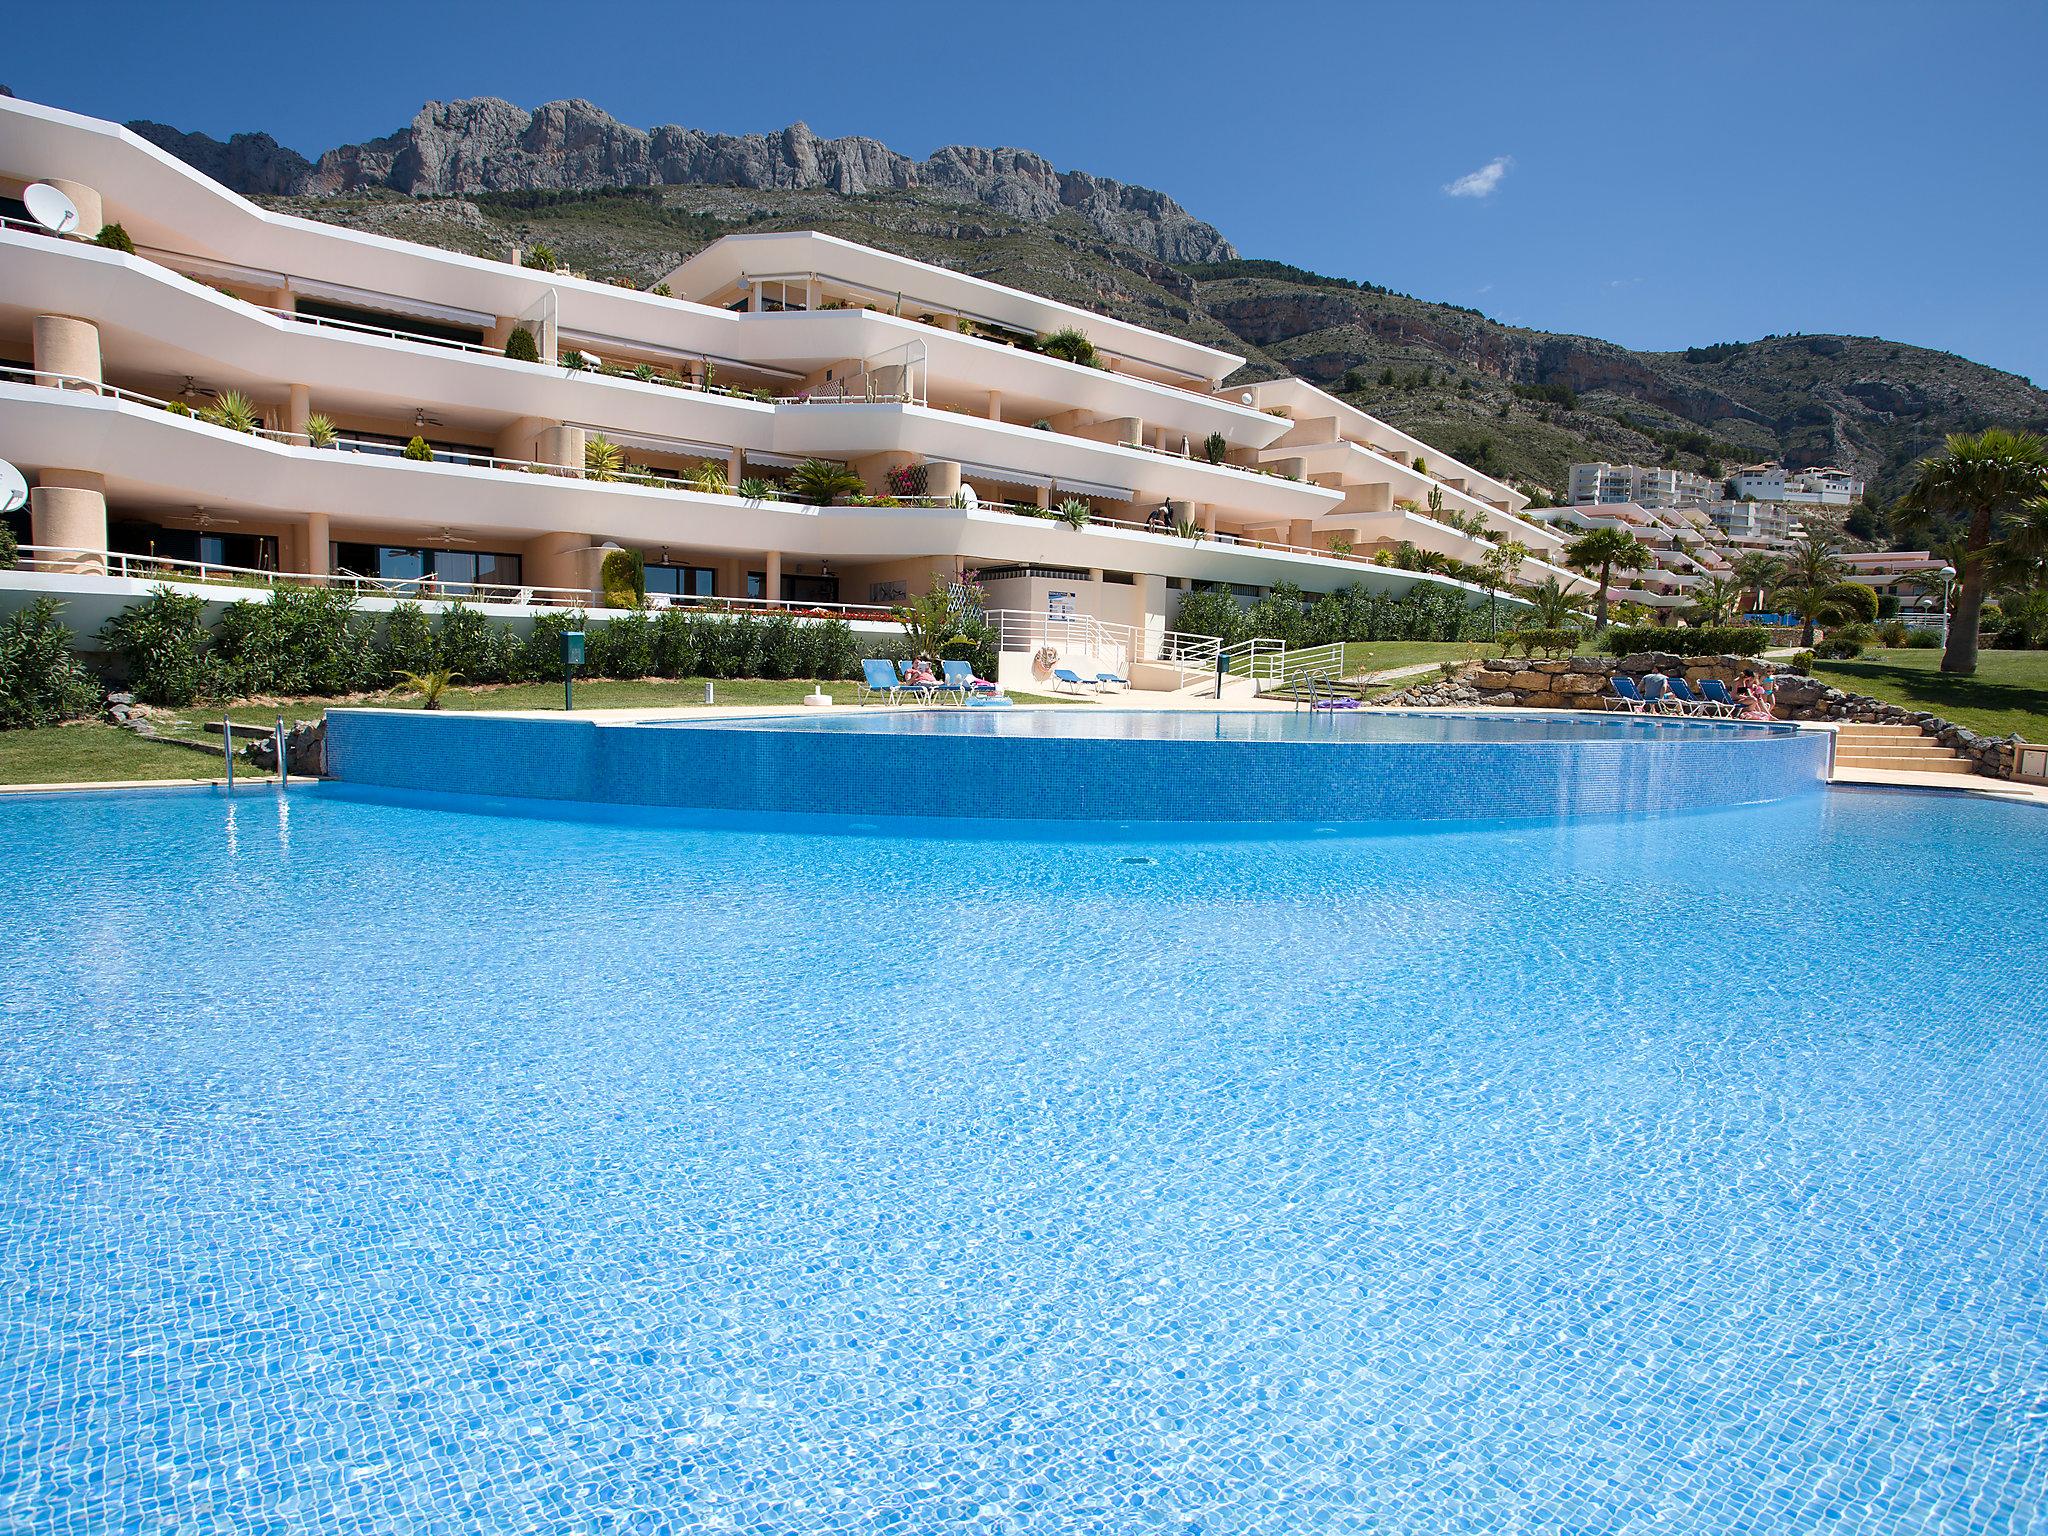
1717, 698
1103, 679
1680, 697
960, 679
879, 681
1624, 695
1073, 679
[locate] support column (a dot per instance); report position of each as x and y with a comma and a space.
562, 445
941, 479
994, 410
67, 346
735, 469
92, 217
319, 544
1208, 522
68, 510
1301, 532
298, 410
771, 576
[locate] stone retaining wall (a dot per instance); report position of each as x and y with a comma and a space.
1580, 682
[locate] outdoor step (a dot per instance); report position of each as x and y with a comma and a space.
1872, 728
1952, 765
1888, 757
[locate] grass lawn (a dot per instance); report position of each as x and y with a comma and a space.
2007, 693
1381, 655
91, 752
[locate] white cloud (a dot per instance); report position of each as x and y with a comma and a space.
1483, 182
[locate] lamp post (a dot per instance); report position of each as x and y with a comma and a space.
1948, 583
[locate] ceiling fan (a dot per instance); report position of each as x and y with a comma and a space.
206, 520
450, 536
421, 421
193, 389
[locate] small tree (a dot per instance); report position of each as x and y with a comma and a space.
234, 410
1215, 447
419, 449
1809, 583
541, 258
115, 238
521, 347
320, 431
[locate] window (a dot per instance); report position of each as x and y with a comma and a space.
810, 589
460, 569
390, 445
683, 580
249, 551
757, 583
426, 330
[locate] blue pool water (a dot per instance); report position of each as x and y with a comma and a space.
372, 1168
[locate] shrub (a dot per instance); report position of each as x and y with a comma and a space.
755, 488
1838, 648
1215, 447
419, 449
115, 238
709, 477
41, 680
1278, 615
1857, 630
408, 642
304, 640
473, 647
1922, 640
573, 360
1075, 512
675, 644
1892, 634
161, 642
1854, 595
784, 647
541, 258
1551, 642
1210, 611
234, 410
10, 548
602, 458
1704, 640
320, 431
521, 347
835, 653
622, 577
538, 657
622, 647
1071, 344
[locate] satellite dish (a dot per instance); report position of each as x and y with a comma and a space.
967, 497
13, 488
50, 208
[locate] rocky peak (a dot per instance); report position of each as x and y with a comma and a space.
454, 149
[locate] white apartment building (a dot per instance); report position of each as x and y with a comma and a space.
1761, 523
1604, 484
397, 448
1818, 487
1685, 547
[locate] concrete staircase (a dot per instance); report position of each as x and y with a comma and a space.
1895, 749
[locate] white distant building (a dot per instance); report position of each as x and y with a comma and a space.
1755, 522
1606, 485
1820, 487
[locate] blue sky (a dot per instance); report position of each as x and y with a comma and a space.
1653, 173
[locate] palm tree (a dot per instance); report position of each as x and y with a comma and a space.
2021, 559
602, 459
822, 482
1984, 477
1606, 550
1809, 583
1552, 607
1754, 572
1714, 601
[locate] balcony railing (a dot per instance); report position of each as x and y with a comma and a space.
55, 559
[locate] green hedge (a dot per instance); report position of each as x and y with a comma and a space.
307, 642
42, 681
1706, 640
1350, 613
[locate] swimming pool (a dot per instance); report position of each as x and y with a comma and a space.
371, 1168
1082, 765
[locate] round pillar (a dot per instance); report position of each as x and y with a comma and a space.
91, 213
68, 511
68, 347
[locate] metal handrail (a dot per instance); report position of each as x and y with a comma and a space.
58, 559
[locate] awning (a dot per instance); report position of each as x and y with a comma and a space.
655, 444
1006, 476
390, 304
1090, 488
775, 460
609, 347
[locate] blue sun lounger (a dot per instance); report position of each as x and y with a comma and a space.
1624, 695
879, 681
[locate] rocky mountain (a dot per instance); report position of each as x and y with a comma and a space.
619, 203
455, 149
